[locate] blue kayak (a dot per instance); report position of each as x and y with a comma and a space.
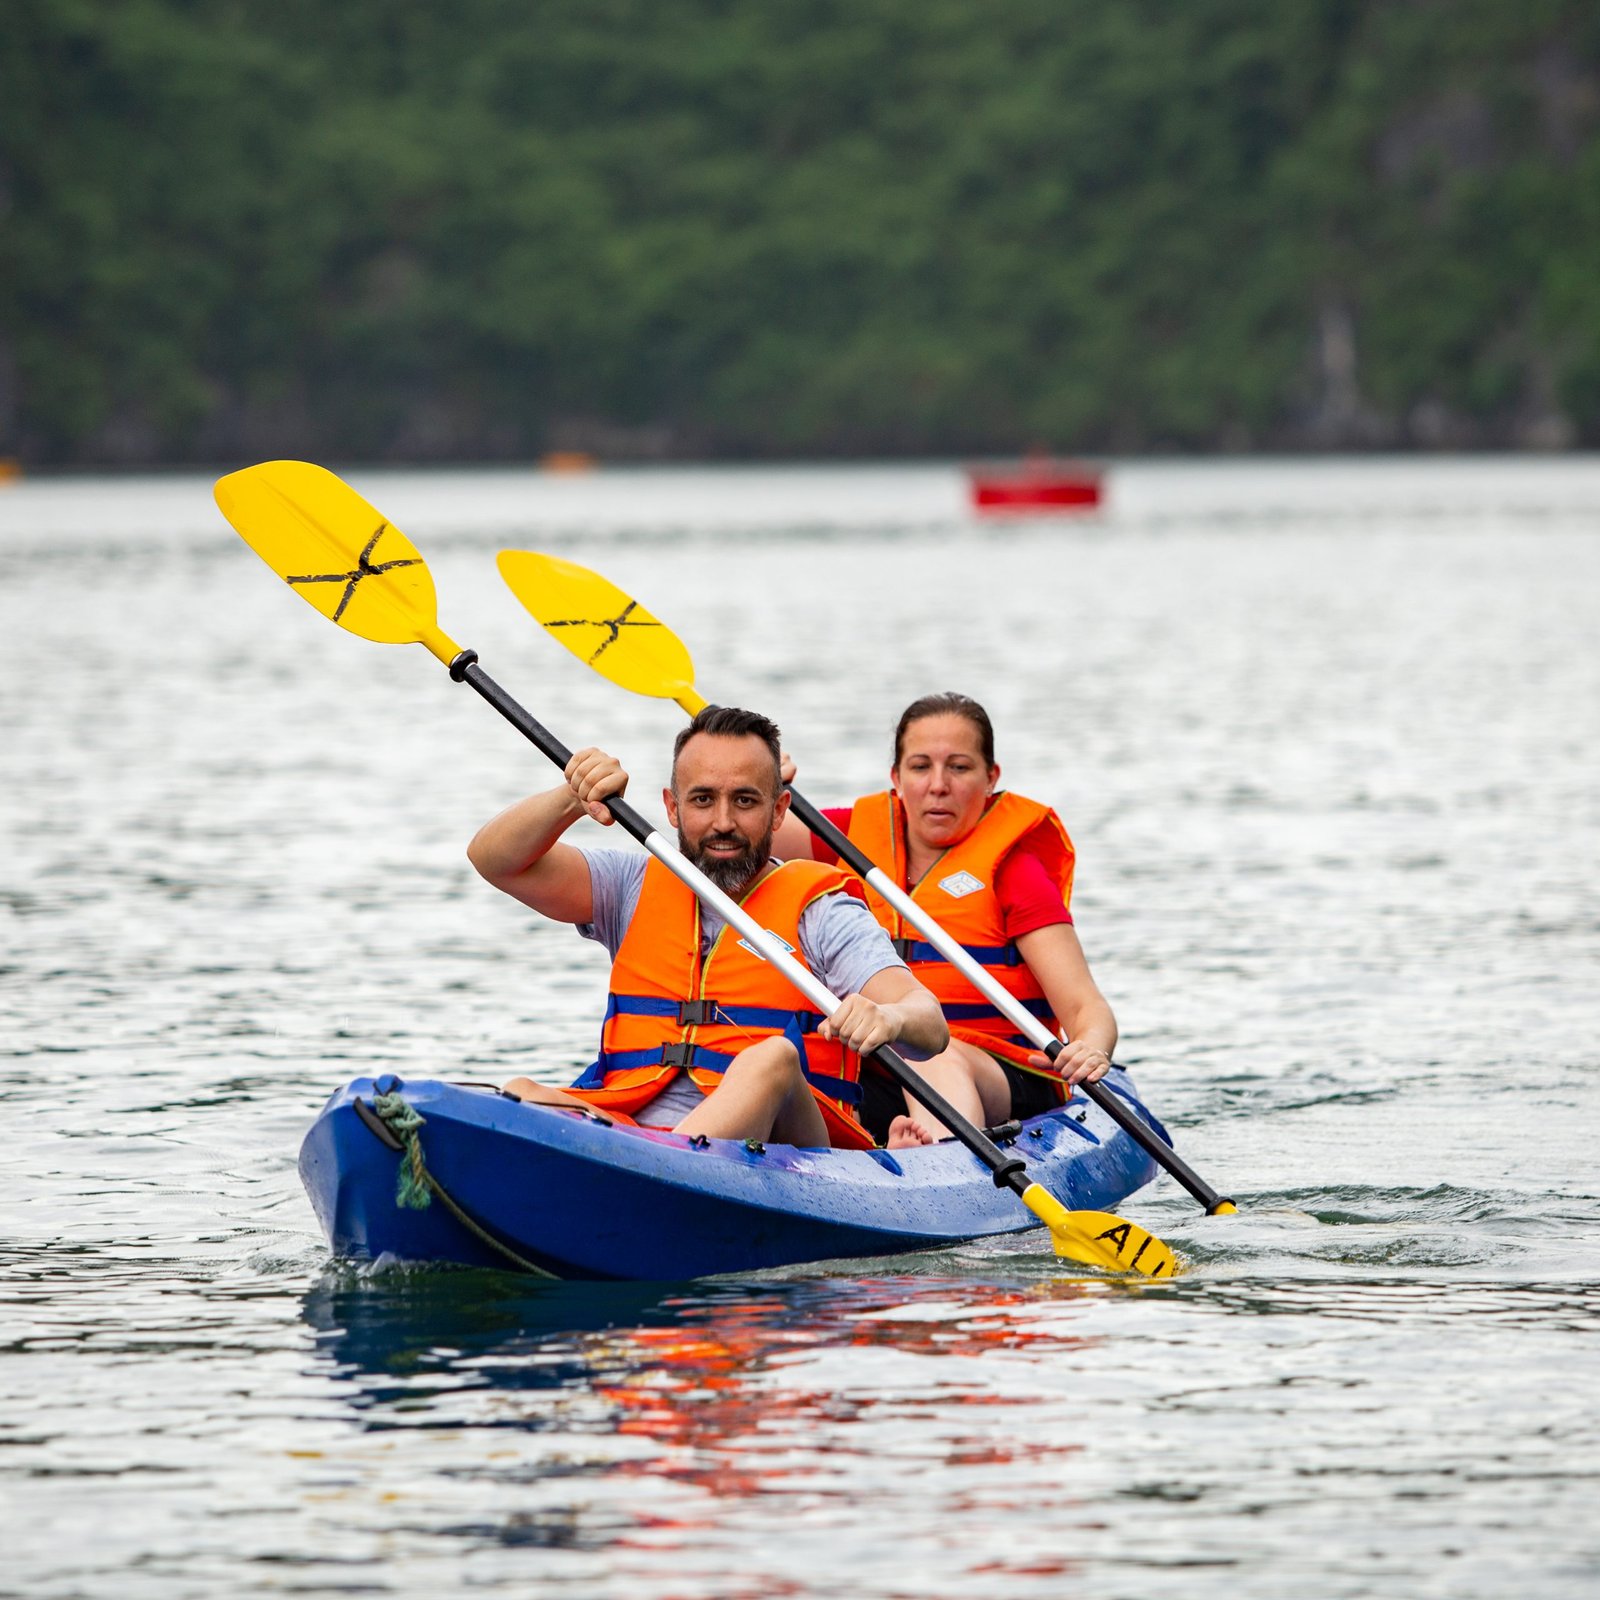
489, 1181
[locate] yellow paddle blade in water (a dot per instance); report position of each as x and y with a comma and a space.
336, 551
1099, 1238
603, 627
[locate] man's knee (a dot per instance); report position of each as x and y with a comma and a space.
775, 1059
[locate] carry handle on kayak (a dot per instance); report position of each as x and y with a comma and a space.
352, 564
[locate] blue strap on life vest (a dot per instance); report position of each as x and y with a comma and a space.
651, 1005
704, 1060
986, 955
684, 1055
835, 1088
974, 1011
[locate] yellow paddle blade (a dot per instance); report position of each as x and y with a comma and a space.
603, 627
336, 551
1100, 1239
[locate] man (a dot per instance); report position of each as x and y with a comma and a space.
701, 1035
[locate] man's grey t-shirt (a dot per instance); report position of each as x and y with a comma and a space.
840, 939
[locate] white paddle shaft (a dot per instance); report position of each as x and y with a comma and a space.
978, 976
771, 947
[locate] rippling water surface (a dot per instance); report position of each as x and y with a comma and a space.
1325, 736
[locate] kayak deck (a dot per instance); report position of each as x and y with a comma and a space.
568, 1194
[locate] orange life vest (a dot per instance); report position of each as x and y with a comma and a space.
671, 1012
958, 890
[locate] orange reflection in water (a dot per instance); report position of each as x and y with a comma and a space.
706, 1387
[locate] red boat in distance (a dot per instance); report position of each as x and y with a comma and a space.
1039, 484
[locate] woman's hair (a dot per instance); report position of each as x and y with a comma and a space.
947, 705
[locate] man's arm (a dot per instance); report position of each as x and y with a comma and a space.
518, 851
891, 1007
882, 1002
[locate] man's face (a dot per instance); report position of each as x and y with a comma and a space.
725, 803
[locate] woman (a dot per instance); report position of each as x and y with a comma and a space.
995, 871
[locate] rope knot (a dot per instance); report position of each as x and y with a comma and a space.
412, 1191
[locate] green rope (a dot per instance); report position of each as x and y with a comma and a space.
415, 1186
411, 1191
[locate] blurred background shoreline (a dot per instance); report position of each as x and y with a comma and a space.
698, 231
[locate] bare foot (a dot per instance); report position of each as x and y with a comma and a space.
905, 1132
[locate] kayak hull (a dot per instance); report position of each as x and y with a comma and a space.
567, 1194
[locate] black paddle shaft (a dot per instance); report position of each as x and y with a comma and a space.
1136, 1128
1130, 1122
1009, 1171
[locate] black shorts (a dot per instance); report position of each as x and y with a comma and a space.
882, 1099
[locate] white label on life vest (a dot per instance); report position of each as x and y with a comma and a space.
744, 944
960, 884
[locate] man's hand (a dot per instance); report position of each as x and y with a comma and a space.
594, 777
1079, 1062
861, 1026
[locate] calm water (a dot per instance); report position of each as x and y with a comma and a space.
1325, 736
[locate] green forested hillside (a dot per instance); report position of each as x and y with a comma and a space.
394, 229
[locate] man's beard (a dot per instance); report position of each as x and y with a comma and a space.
731, 874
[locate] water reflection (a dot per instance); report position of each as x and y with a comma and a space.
729, 1434
406, 1332
636, 1418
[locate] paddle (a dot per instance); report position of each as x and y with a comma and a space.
615, 635
361, 572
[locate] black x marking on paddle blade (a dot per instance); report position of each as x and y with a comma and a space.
364, 568
612, 625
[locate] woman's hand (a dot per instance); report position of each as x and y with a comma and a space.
594, 777
786, 767
1079, 1062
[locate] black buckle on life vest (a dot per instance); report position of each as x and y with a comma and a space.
677, 1055
696, 1013
902, 948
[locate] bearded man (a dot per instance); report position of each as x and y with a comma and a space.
701, 1035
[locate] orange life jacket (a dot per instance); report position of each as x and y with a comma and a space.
958, 890
671, 1012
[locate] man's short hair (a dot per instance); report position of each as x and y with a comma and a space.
730, 722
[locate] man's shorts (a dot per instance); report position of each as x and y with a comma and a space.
882, 1099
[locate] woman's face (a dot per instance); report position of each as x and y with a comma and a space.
943, 780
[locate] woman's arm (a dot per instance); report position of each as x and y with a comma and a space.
793, 839
1056, 959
